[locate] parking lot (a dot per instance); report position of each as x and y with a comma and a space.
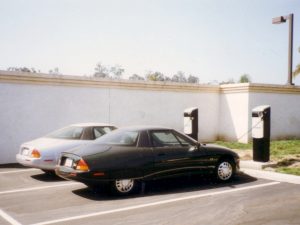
28, 196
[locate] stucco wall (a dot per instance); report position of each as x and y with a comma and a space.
238, 100
33, 105
285, 113
234, 116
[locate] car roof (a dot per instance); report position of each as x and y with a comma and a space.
146, 127
91, 124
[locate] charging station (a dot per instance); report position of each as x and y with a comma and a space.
190, 122
261, 131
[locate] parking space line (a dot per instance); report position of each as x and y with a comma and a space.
18, 171
8, 218
38, 188
155, 203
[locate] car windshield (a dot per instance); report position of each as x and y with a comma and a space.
72, 132
119, 137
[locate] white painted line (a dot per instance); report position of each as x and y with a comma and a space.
38, 188
8, 218
18, 171
155, 203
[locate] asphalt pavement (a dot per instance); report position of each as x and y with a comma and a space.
28, 196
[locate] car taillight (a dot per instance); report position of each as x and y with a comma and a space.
35, 153
82, 166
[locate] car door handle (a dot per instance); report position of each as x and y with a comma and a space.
161, 154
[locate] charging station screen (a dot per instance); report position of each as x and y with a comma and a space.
257, 126
187, 125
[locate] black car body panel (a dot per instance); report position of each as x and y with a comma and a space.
143, 158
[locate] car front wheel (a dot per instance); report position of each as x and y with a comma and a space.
125, 186
225, 170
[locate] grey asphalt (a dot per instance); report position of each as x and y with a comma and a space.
31, 197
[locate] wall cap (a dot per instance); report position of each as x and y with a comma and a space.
259, 88
86, 81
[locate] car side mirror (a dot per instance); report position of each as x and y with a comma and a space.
195, 147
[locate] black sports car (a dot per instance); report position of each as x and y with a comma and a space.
127, 156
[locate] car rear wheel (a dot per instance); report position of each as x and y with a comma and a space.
225, 170
125, 186
50, 173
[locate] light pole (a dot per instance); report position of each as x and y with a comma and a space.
283, 19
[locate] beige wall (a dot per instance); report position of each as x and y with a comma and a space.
32, 105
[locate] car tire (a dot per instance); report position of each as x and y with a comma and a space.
50, 173
125, 186
98, 188
225, 170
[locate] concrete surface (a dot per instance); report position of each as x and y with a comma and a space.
28, 196
250, 164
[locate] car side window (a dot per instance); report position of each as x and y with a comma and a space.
184, 141
164, 138
98, 132
108, 129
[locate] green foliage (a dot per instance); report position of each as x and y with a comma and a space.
280, 149
136, 77
101, 71
193, 79
55, 71
234, 145
179, 77
155, 76
229, 81
245, 78
289, 170
117, 71
22, 69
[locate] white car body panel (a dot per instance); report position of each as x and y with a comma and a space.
50, 150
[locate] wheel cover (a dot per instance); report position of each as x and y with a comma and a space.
124, 186
225, 171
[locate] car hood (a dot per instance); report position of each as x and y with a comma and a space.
219, 149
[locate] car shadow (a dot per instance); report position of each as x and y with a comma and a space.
47, 177
168, 186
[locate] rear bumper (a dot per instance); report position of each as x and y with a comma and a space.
83, 177
35, 163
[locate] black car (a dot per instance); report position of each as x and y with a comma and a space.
127, 156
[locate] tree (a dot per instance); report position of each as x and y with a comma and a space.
245, 78
193, 79
117, 71
229, 81
22, 69
101, 71
136, 77
156, 76
179, 77
167, 78
55, 71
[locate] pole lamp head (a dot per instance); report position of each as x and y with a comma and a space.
279, 20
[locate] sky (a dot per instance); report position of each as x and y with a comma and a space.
215, 40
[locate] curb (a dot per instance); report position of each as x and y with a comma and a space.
281, 177
255, 169
250, 164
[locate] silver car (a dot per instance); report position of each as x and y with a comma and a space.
44, 152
